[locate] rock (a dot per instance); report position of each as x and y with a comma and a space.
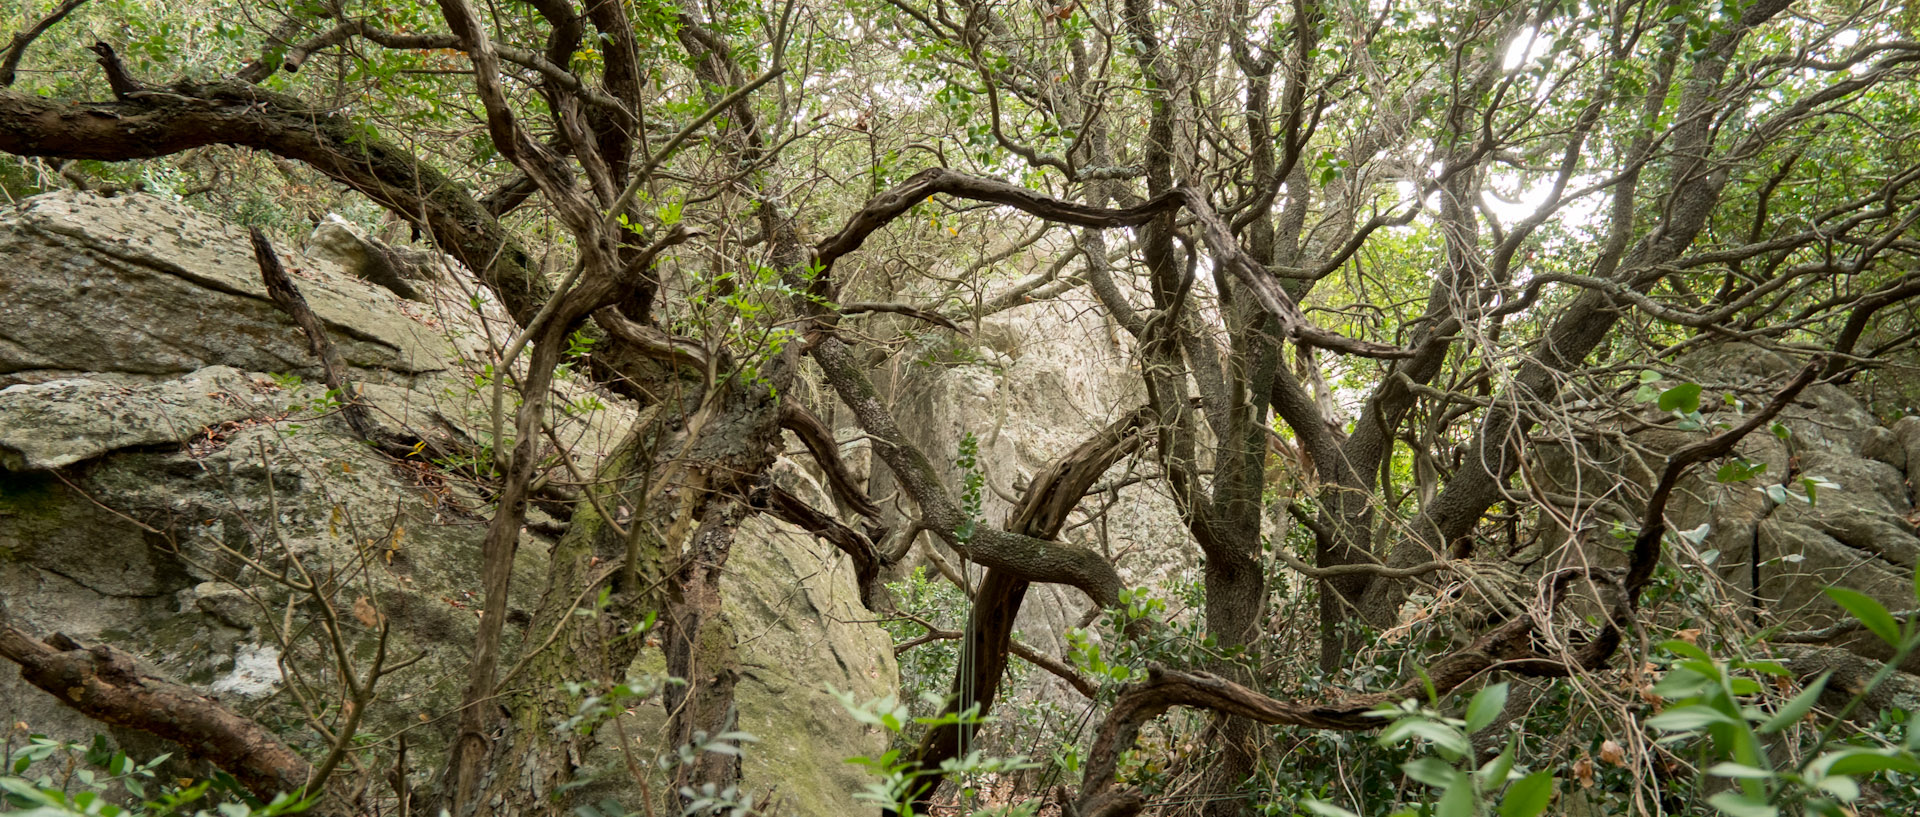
1883, 444
143, 287
365, 258
49, 425
1906, 432
1030, 385
158, 468
1857, 533
792, 607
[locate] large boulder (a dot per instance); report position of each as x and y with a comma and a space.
1776, 556
141, 286
167, 462
1029, 385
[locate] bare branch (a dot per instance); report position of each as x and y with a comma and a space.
17, 48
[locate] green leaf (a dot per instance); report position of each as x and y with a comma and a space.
1740, 470
1681, 683
1738, 771
1688, 718
1529, 797
1458, 800
1684, 398
1499, 768
1649, 376
1486, 706
1446, 738
1795, 709
1740, 805
1870, 613
1840, 786
1865, 761
1327, 809
1430, 770
1684, 648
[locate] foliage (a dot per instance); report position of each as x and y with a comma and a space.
899, 778
50, 778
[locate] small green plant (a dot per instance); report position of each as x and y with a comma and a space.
1464, 790
1740, 743
971, 496
899, 780
51, 778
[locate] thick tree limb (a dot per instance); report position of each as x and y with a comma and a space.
1029, 557
867, 560
887, 206
106, 684
892, 204
191, 115
1051, 495
826, 453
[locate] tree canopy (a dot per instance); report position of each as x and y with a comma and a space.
1379, 266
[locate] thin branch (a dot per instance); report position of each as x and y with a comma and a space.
17, 48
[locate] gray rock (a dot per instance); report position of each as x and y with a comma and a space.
792, 608
49, 425
340, 242
1859, 535
141, 286
152, 476
1033, 383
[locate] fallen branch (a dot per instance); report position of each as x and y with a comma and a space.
333, 369
106, 684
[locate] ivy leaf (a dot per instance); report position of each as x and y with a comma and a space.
1684, 398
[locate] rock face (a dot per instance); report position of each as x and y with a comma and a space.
162, 460
137, 286
1859, 533
1030, 384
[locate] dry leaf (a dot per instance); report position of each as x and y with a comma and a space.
1583, 770
364, 613
1612, 754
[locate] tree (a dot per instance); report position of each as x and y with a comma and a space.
1394, 243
